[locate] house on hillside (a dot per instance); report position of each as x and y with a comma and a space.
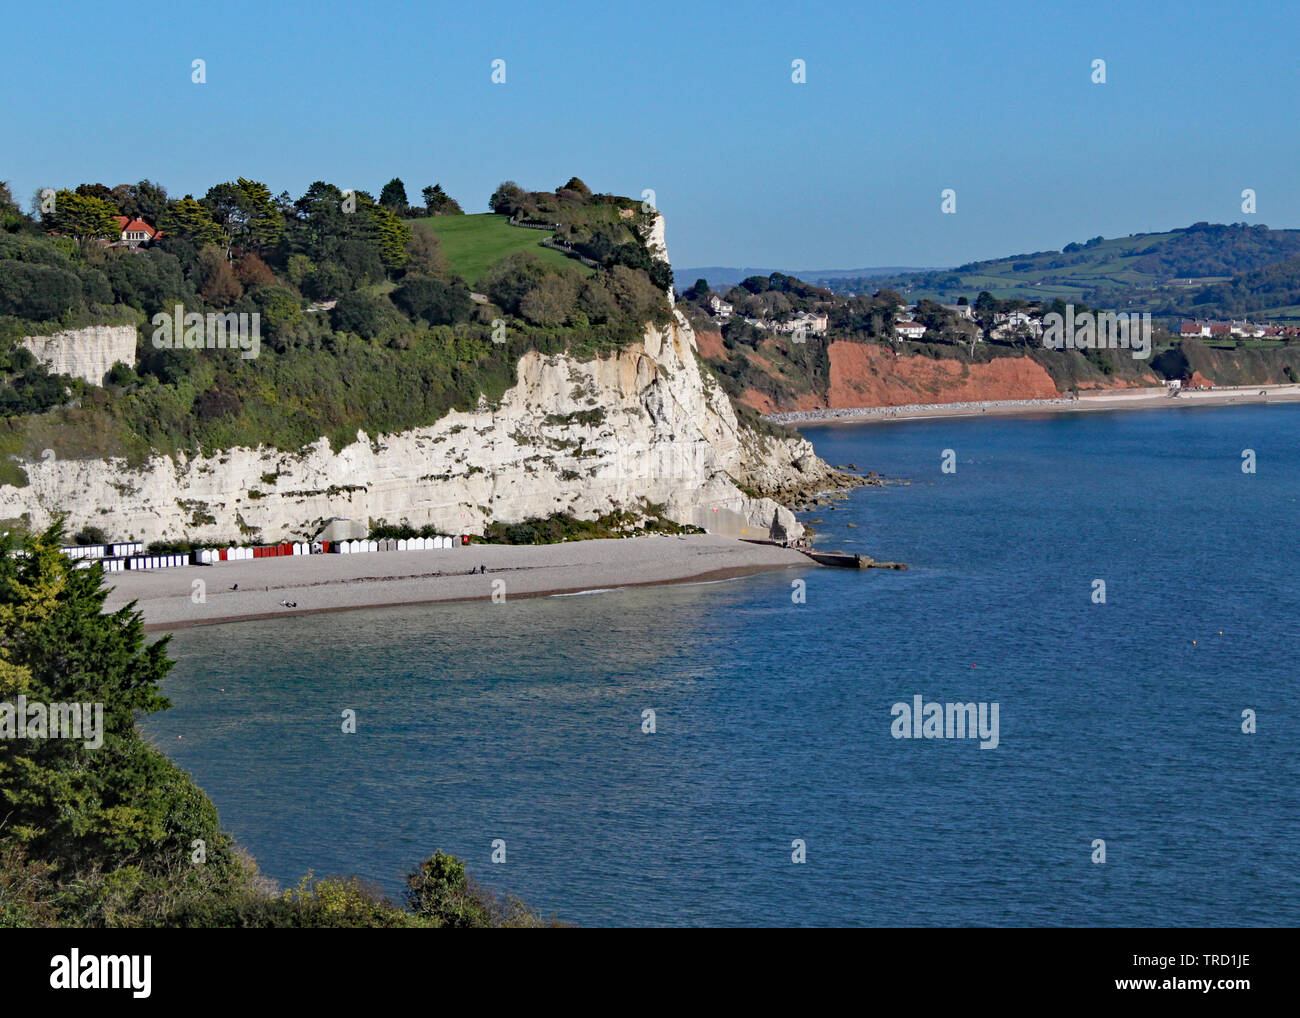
909, 330
1194, 329
964, 310
1007, 325
808, 323
135, 232
720, 307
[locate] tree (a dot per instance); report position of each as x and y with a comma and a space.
37, 292
11, 216
393, 196
441, 890
217, 280
359, 313
245, 213
79, 807
506, 198
439, 203
146, 200
699, 291
192, 221
424, 252
434, 301
83, 216
508, 280
552, 300
252, 272
99, 191
986, 311
393, 235
637, 297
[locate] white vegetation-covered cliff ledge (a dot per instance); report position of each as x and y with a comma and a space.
86, 353
642, 427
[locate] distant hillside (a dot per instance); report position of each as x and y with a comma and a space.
1188, 271
723, 277
1271, 292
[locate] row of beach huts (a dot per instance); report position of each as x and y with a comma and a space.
116, 558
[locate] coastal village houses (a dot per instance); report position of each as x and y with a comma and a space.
1242, 329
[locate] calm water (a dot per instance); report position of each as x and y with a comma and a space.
522, 721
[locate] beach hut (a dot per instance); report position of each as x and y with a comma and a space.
372, 546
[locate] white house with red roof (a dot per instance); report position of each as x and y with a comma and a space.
136, 231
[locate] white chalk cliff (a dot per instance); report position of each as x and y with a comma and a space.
645, 427
85, 353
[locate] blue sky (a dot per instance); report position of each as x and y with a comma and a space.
693, 100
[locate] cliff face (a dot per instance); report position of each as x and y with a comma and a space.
863, 375
85, 353
646, 426
875, 374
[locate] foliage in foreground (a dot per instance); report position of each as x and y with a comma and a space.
112, 836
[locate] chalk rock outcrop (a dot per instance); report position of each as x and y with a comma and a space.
85, 353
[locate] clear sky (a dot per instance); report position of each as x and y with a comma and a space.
695, 101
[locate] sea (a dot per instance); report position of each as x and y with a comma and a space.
1118, 591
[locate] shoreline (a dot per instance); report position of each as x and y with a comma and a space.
1147, 398
332, 583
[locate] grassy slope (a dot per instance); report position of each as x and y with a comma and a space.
1109, 263
473, 243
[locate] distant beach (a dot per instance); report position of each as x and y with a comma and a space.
1114, 399
320, 583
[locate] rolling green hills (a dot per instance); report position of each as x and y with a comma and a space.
1183, 272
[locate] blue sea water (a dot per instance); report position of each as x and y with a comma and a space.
1119, 721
